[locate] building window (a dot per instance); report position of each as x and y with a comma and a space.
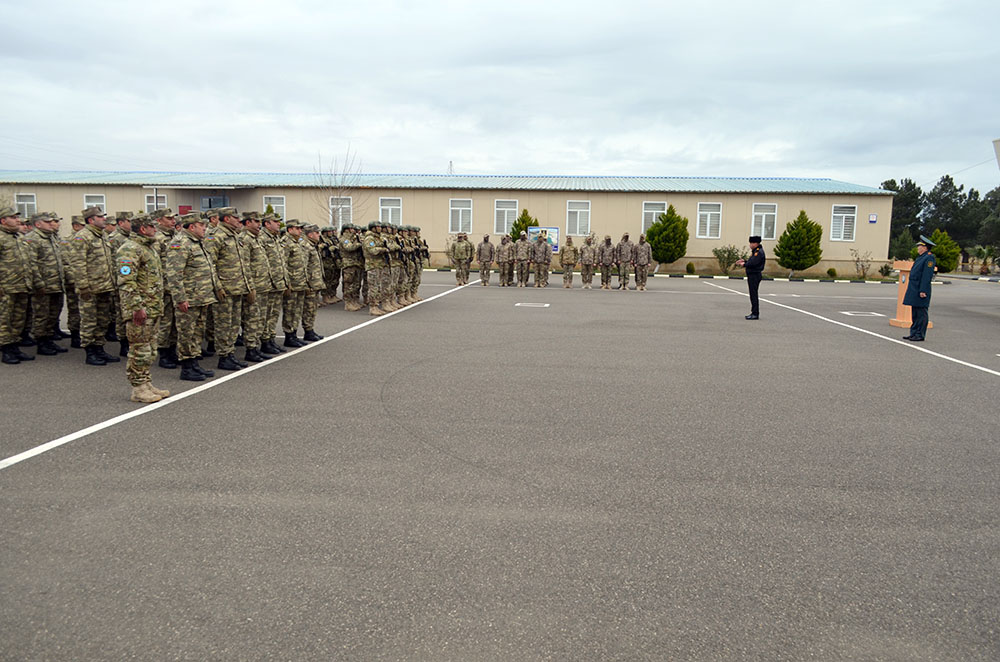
651, 213
214, 202
390, 210
340, 212
460, 216
26, 204
578, 217
765, 218
277, 203
709, 220
159, 203
844, 220
505, 213
95, 200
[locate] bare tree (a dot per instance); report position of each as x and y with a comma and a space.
338, 192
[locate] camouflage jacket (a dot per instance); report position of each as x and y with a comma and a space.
163, 238
117, 239
606, 254
624, 252
16, 269
522, 250
588, 254
314, 264
329, 253
395, 250
260, 268
296, 263
568, 255
461, 251
140, 277
374, 251
46, 253
485, 253
189, 271
541, 253
274, 251
505, 253
350, 250
91, 261
643, 253
232, 261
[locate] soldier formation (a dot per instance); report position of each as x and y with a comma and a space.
188, 287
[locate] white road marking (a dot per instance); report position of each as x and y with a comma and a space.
860, 313
908, 345
97, 427
532, 305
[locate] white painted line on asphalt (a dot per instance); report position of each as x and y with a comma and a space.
861, 313
532, 305
97, 427
870, 333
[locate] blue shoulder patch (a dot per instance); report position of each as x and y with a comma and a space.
125, 271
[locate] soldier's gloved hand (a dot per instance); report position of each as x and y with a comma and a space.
220, 294
251, 297
139, 317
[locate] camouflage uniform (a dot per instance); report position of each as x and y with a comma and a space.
568, 255
461, 253
624, 254
505, 259
420, 252
314, 273
396, 270
17, 280
190, 276
588, 258
332, 264
297, 269
92, 265
642, 258
47, 300
272, 299
140, 286
354, 263
541, 257
485, 253
606, 258
117, 239
166, 339
375, 264
522, 255
72, 299
260, 279
232, 264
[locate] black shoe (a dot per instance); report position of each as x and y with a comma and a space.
242, 364
207, 373
75, 340
93, 358
59, 334
292, 341
26, 340
107, 357
239, 340
920, 339
253, 356
907, 337
311, 336
229, 363
123, 351
9, 355
166, 361
269, 348
752, 317
209, 349
111, 335
46, 347
189, 373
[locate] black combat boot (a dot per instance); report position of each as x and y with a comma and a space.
26, 340
239, 340
270, 347
242, 364
75, 340
93, 358
189, 372
254, 356
209, 350
46, 347
207, 373
59, 334
123, 351
111, 335
229, 363
107, 357
292, 341
9, 355
166, 361
312, 336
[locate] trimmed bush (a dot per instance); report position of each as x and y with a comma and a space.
831, 272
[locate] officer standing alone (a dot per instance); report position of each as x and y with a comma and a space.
755, 269
918, 290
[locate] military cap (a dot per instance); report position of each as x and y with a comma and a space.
926, 242
210, 212
162, 213
416, 228
293, 223
76, 220
91, 212
7, 211
191, 217
124, 216
309, 227
227, 211
40, 216
140, 220
372, 225
251, 216
346, 226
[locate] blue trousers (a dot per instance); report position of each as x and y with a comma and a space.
918, 329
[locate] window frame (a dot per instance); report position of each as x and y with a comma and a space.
577, 211
382, 208
753, 221
103, 204
708, 224
264, 203
25, 213
206, 202
451, 212
350, 211
496, 210
854, 226
150, 201
642, 224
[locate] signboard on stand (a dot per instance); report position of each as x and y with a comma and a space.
551, 236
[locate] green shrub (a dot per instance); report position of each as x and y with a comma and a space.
798, 246
521, 224
689, 268
668, 236
946, 252
727, 256
885, 270
831, 272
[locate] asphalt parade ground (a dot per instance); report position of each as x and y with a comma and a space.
522, 474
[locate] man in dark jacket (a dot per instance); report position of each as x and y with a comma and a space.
918, 289
755, 269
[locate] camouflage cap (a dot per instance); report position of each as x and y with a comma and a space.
91, 212
227, 211
268, 217
310, 228
372, 225
7, 211
293, 223
209, 213
76, 219
162, 213
191, 217
40, 216
251, 216
124, 216
140, 220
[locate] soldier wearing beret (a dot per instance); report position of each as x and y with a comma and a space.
755, 269
16, 284
93, 269
918, 290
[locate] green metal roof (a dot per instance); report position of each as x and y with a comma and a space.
210, 180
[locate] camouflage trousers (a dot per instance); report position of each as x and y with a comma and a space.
395, 281
210, 326
364, 283
252, 321
587, 273
271, 303
415, 276
641, 273
310, 302
606, 274
13, 316
47, 308
506, 273
484, 274
291, 311
228, 314
116, 311
352, 283
568, 274
374, 295
72, 309
522, 272
95, 315
167, 335
462, 273
140, 351
331, 276
190, 331
541, 274
623, 275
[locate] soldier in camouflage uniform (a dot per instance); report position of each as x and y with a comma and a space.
415, 260
260, 278
271, 299
92, 265
421, 252
17, 281
297, 269
166, 339
314, 272
485, 252
505, 260
332, 264
232, 264
140, 286
376, 262
193, 285
211, 217
568, 255
522, 255
642, 258
117, 238
47, 301
72, 300
354, 263
624, 256
396, 269
606, 258
588, 258
461, 253
541, 257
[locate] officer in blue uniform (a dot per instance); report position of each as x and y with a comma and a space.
918, 289
755, 272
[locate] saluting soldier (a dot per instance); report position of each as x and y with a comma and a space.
541, 257
17, 281
642, 258
92, 265
140, 288
232, 264
485, 252
522, 255
297, 268
568, 255
314, 272
918, 290
47, 301
755, 269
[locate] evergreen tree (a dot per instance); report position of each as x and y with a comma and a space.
901, 245
942, 205
668, 236
798, 246
521, 224
945, 250
906, 208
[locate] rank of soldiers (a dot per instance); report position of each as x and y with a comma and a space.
182, 288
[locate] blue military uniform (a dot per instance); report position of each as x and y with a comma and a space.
921, 275
755, 273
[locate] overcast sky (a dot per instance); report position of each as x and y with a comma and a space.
857, 91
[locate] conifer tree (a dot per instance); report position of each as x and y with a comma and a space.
668, 236
945, 250
798, 246
521, 224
